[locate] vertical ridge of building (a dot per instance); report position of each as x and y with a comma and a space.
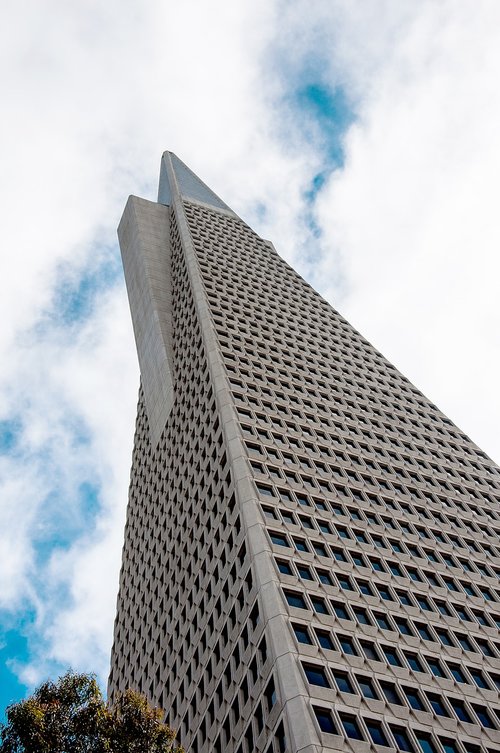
272, 605
312, 550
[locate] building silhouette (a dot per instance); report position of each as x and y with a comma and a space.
312, 549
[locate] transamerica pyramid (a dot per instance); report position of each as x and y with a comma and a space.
312, 549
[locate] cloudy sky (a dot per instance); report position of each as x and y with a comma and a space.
361, 137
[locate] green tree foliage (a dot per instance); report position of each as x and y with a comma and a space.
70, 716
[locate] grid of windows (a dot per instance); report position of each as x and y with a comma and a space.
380, 519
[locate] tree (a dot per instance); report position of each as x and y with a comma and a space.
70, 716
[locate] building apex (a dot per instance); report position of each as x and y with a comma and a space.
176, 179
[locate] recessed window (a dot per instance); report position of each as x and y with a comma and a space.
414, 662
362, 616
316, 675
391, 693
382, 621
343, 682
324, 577
266, 491
457, 673
448, 745
351, 727
347, 645
365, 587
325, 720
404, 598
376, 732
460, 710
391, 656
319, 605
483, 716
402, 740
425, 742
320, 549
279, 540
370, 651
284, 567
300, 545
384, 593
437, 704
340, 611
295, 600
325, 640
367, 687
413, 698
304, 572
345, 583
478, 678
464, 642
302, 634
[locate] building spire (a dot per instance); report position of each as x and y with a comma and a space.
177, 179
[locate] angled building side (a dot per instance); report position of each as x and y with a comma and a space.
312, 549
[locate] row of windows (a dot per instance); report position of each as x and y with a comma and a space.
430, 555
289, 460
445, 706
257, 374
397, 523
391, 735
415, 470
421, 663
383, 590
449, 609
404, 626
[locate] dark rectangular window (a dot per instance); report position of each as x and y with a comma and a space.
437, 704
279, 540
425, 742
391, 693
351, 727
370, 651
460, 710
324, 577
448, 745
340, 611
302, 634
435, 667
304, 573
413, 698
391, 656
347, 645
343, 682
295, 600
284, 567
483, 716
376, 732
402, 740
316, 675
367, 687
362, 616
325, 640
457, 673
319, 605
325, 720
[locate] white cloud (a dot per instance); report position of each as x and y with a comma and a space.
413, 214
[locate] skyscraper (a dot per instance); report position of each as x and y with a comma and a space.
312, 549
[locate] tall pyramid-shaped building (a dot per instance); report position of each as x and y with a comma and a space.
312, 549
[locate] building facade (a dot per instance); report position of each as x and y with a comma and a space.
312, 549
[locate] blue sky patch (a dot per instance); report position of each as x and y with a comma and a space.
13, 649
9, 430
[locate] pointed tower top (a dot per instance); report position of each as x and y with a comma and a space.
177, 179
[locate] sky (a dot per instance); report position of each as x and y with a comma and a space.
361, 138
